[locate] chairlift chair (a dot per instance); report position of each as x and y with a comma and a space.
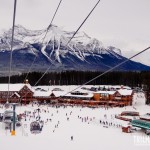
35, 127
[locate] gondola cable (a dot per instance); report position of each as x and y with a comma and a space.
43, 38
109, 70
83, 22
112, 68
11, 49
70, 39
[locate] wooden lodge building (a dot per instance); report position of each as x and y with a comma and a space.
25, 93
17, 93
122, 97
43, 95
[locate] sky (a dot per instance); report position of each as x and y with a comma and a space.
124, 24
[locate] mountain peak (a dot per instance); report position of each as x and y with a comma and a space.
82, 53
114, 49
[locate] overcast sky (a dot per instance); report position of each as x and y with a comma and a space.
124, 24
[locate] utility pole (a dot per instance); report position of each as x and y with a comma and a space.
11, 49
13, 132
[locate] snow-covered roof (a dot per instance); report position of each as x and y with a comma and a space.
59, 90
66, 88
42, 93
113, 86
125, 92
146, 116
17, 94
105, 92
59, 93
121, 91
14, 87
88, 95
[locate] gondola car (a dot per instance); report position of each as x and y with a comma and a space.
35, 127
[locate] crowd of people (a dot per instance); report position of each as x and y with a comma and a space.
46, 115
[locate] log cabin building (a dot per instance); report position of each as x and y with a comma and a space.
17, 93
48, 95
125, 96
121, 97
23, 92
117, 97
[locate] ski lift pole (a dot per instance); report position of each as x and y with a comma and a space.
14, 120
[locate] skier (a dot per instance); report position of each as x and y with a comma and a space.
71, 138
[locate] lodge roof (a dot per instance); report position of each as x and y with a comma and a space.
16, 94
125, 92
42, 93
105, 92
13, 87
88, 95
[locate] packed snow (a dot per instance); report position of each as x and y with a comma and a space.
74, 128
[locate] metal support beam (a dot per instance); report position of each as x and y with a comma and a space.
13, 132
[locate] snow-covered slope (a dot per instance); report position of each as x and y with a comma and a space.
56, 37
83, 124
82, 53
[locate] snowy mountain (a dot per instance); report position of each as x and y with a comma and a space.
82, 53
